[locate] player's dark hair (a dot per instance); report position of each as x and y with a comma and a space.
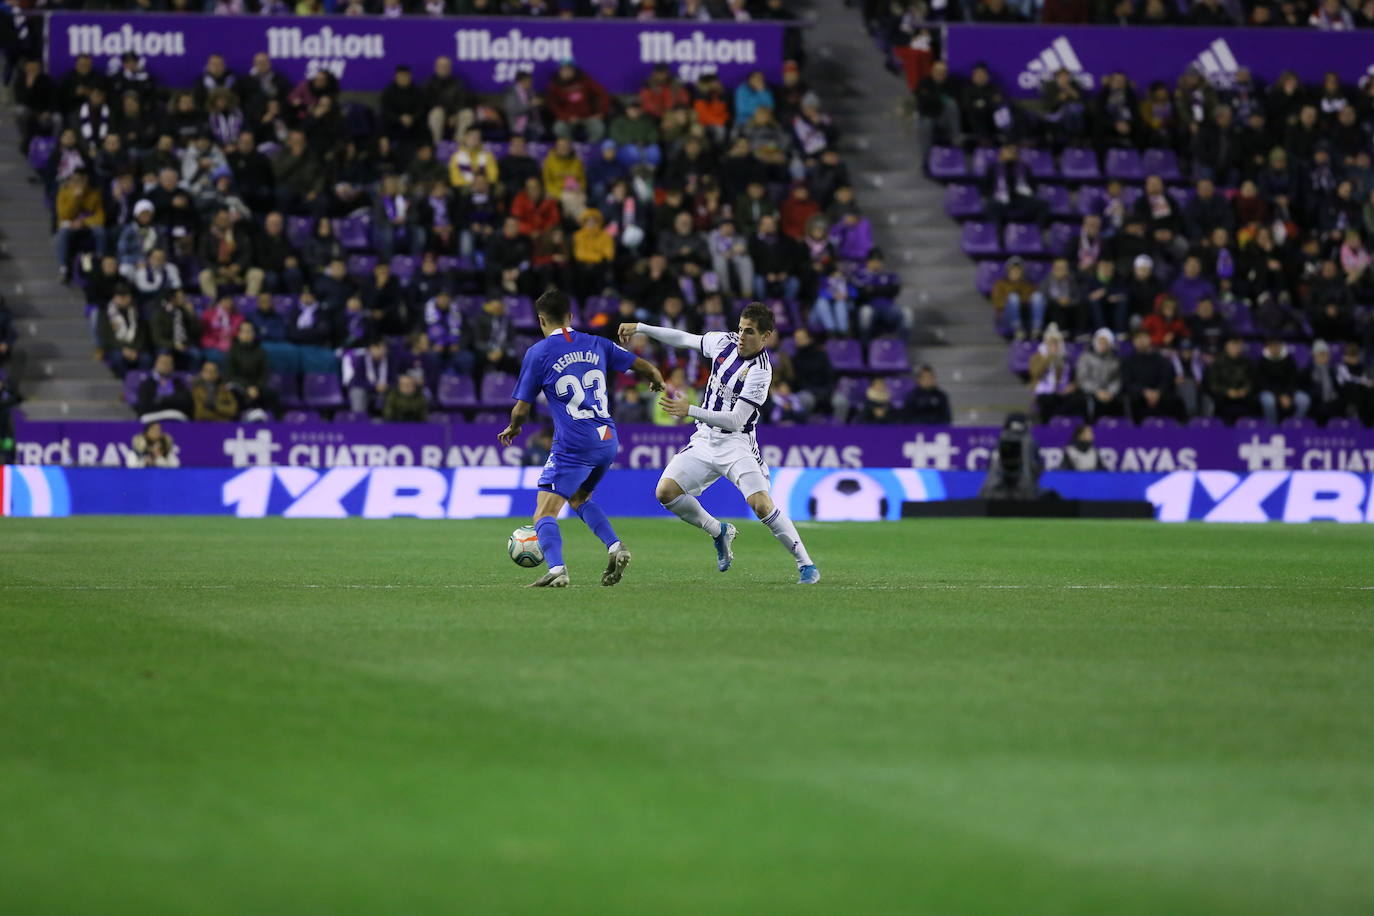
555, 306
760, 315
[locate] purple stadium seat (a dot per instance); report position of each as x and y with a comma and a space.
1041, 163
352, 416
599, 305
852, 387
1063, 422
1109, 423
288, 388
984, 158
1079, 164
1181, 196
1162, 162
1298, 425
403, 267
900, 387
1302, 355
1342, 423
1159, 423
1036, 271
963, 201
1125, 164
456, 392
299, 229
1061, 204
322, 391
496, 389
1059, 237
1090, 198
522, 345
1019, 356
980, 239
445, 150
354, 232
887, 355
297, 416
538, 149
132, 379
360, 265
521, 311
1249, 423
1205, 423
989, 272
245, 304
1024, 238
947, 163
489, 416
845, 355
40, 148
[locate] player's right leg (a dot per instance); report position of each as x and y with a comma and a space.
686, 474
546, 509
617, 554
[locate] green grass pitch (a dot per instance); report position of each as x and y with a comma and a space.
213, 716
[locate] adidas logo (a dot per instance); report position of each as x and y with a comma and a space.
1058, 56
1217, 64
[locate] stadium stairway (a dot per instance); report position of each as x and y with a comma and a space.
61, 379
952, 323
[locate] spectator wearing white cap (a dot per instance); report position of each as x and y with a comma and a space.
138, 237
1098, 372
1142, 289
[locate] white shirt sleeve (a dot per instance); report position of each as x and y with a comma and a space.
732, 421
671, 336
757, 384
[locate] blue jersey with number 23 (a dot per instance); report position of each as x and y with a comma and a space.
575, 371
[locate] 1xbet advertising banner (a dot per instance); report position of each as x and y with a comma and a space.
1022, 57
808, 494
364, 51
955, 448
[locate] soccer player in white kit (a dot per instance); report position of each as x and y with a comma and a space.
724, 443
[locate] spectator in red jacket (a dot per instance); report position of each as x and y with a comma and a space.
1164, 325
797, 211
661, 93
536, 212
576, 100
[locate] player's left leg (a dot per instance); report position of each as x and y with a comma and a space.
546, 509
751, 480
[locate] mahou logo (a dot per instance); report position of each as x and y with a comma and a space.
325, 49
694, 54
510, 51
97, 42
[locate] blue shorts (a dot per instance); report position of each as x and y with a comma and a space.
565, 473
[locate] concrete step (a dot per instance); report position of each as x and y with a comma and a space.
68, 368
44, 408
52, 327
81, 389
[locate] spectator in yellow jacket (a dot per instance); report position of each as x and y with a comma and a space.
470, 159
561, 164
593, 255
80, 215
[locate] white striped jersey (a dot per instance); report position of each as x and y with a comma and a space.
734, 378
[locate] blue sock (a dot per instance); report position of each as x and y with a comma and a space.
597, 521
550, 541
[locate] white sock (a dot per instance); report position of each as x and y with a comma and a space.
787, 536
555, 570
690, 511
613, 548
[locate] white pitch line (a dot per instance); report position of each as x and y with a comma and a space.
365, 586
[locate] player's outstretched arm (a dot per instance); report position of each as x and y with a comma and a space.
670, 336
732, 421
518, 415
648, 370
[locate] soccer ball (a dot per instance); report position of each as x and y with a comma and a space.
523, 547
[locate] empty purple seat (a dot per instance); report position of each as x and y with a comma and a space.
1249, 423
900, 387
984, 158
354, 232
444, 150
989, 272
1302, 355
888, 355
1059, 237
538, 149
1159, 423
1125, 164
1036, 271
297, 416
1019, 357
1024, 238
322, 391
1041, 163
1162, 162
1063, 422
1342, 423
288, 388
456, 392
1109, 423
1181, 196
132, 379
521, 311
523, 342
1079, 164
980, 238
299, 229
963, 201
1205, 423
40, 149
496, 389
352, 416
1298, 424
947, 163
1057, 196
360, 265
403, 267
852, 388
845, 355
1090, 199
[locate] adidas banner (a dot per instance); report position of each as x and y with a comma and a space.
1027, 56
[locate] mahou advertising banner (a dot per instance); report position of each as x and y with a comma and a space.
1022, 57
364, 51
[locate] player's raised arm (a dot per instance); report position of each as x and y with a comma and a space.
670, 336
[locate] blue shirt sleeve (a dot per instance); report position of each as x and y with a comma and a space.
618, 358
531, 376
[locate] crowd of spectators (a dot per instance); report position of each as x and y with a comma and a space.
898, 23
371, 239
1214, 237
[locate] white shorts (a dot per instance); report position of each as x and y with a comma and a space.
707, 459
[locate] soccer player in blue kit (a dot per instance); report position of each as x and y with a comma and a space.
574, 370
